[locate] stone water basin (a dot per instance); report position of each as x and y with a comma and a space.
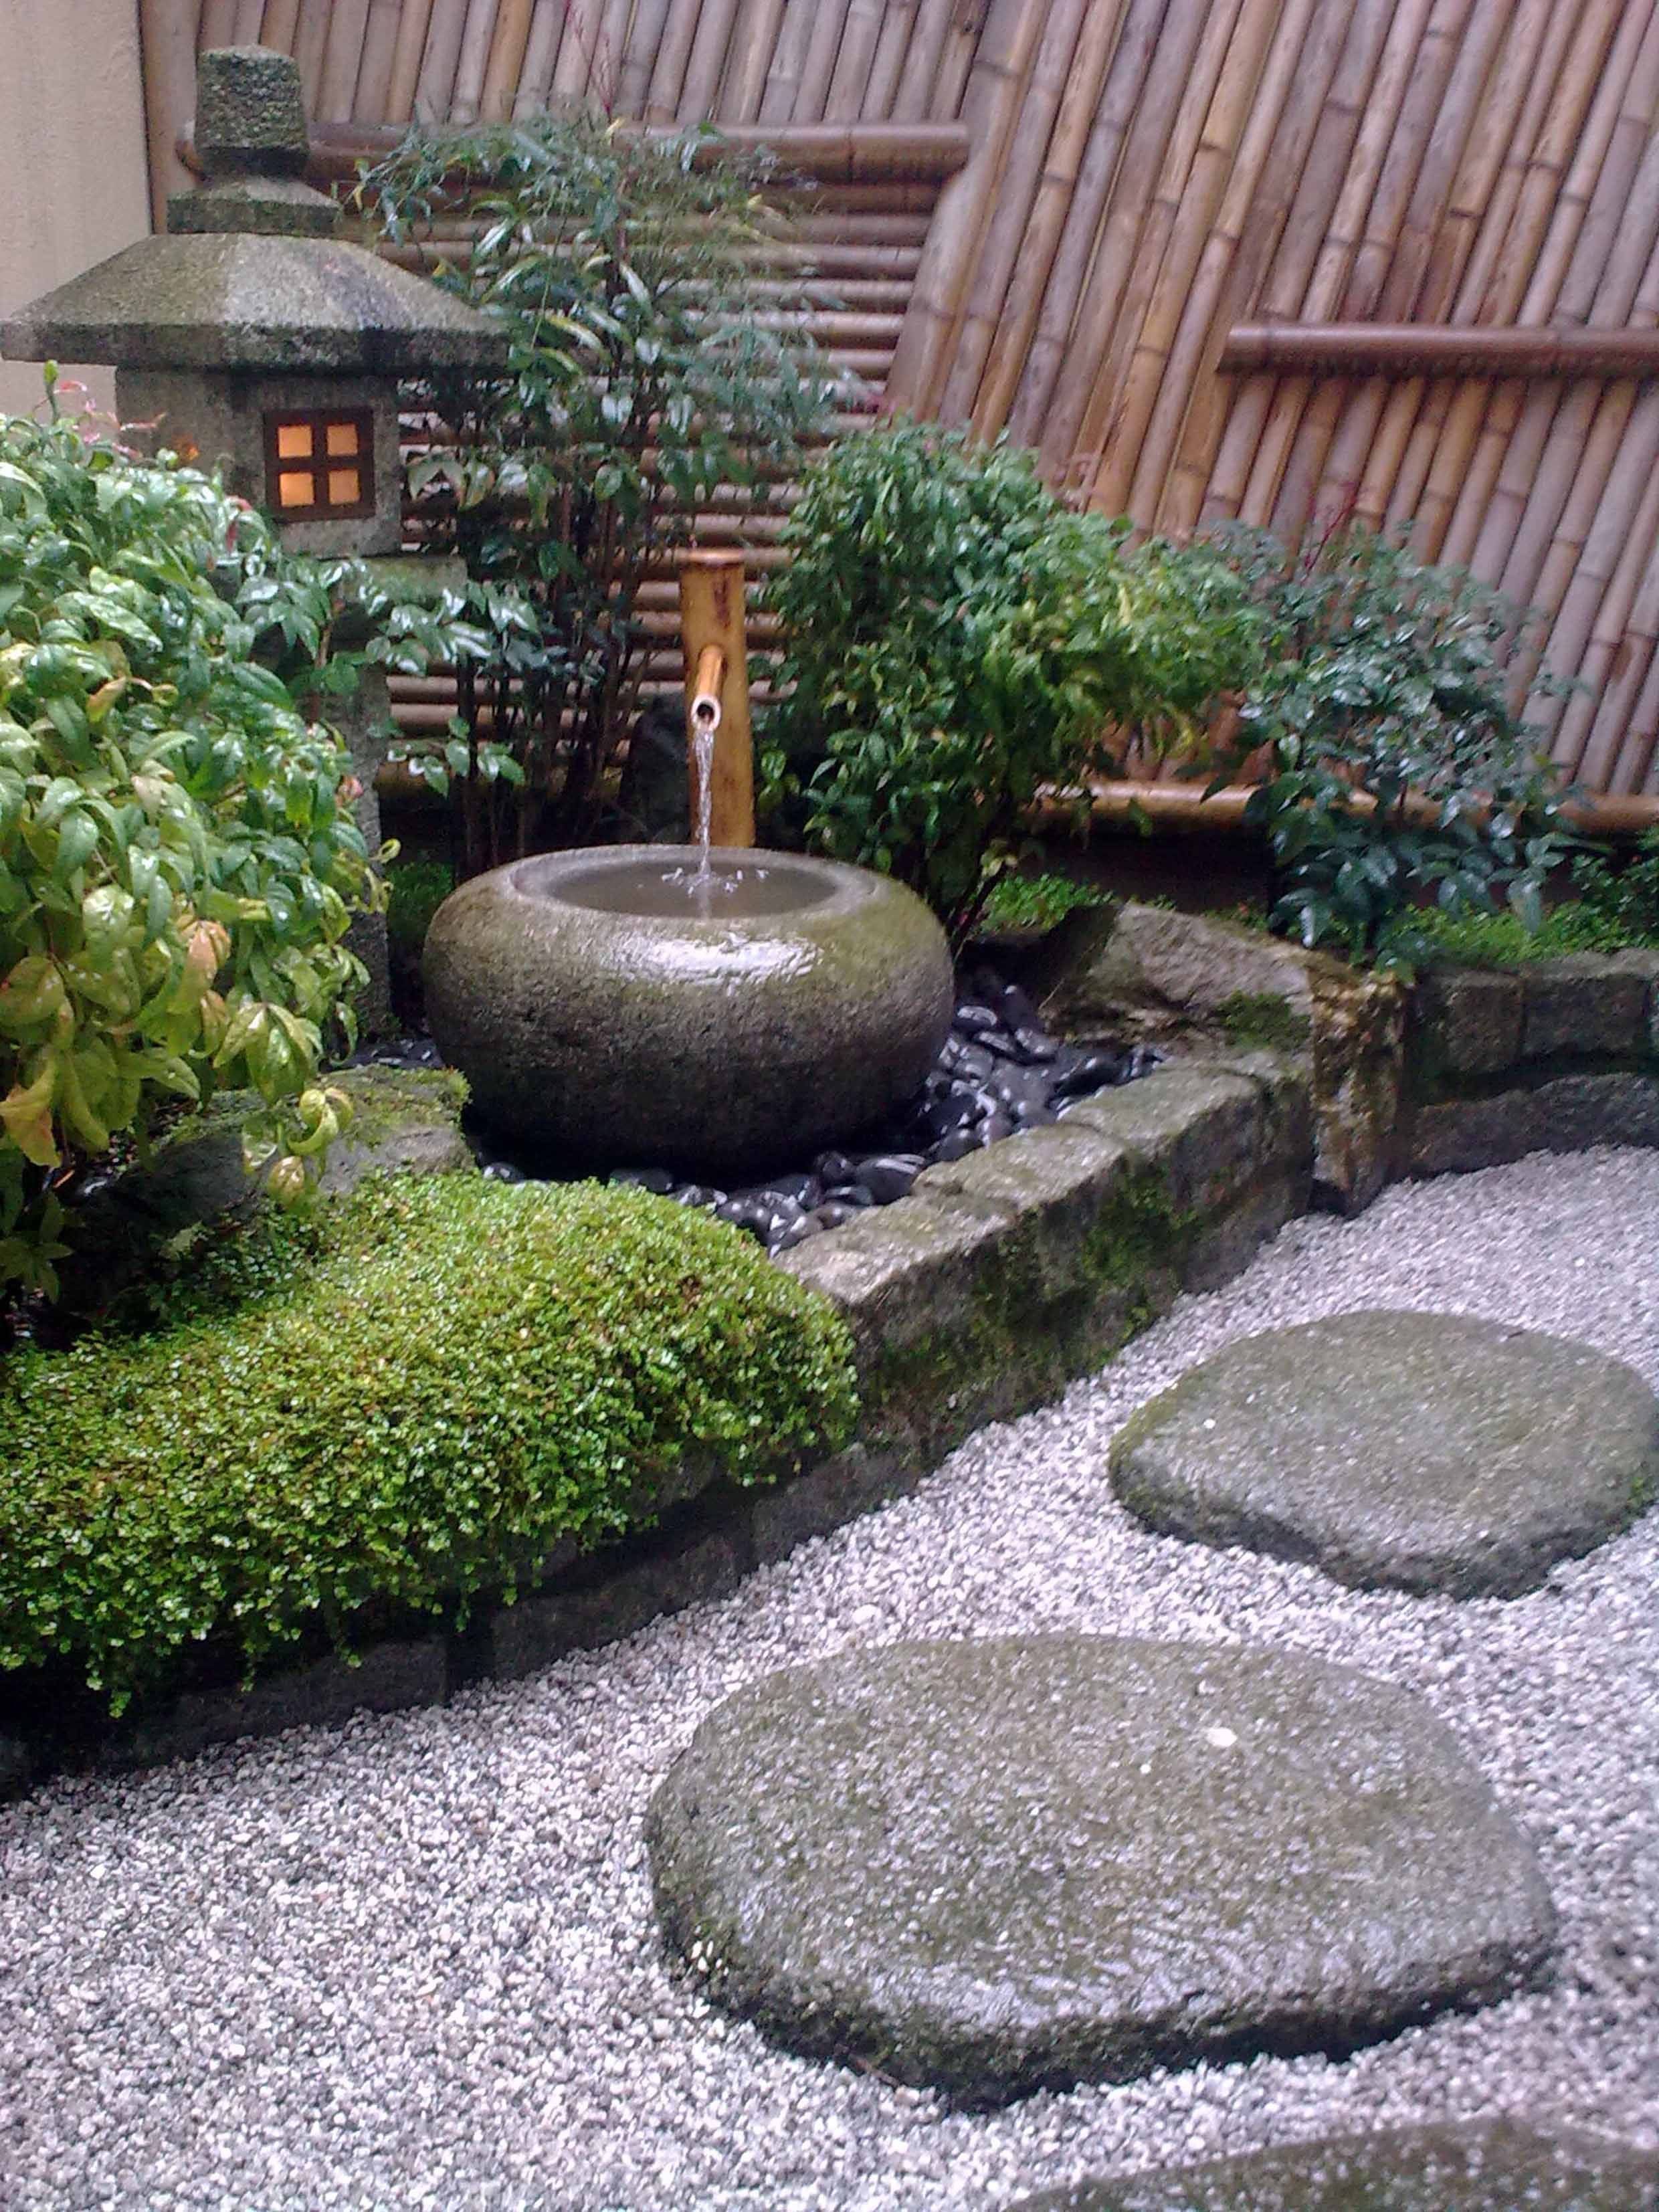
613, 1005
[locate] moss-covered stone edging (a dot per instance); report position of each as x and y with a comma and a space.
999, 1279
1464, 1068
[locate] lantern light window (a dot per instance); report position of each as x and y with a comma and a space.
320, 464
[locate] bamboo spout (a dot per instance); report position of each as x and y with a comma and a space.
717, 692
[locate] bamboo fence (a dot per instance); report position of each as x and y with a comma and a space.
1280, 260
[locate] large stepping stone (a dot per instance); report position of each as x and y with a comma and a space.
996, 1867
1417, 1451
1496, 2166
1489, 2166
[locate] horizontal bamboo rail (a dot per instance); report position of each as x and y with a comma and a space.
1438, 349
1184, 809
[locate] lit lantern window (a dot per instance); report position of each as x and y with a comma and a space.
319, 465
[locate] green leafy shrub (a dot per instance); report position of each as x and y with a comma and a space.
1017, 904
1396, 765
414, 889
178, 860
954, 637
646, 369
1624, 901
469, 1374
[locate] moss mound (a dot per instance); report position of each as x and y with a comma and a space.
466, 1374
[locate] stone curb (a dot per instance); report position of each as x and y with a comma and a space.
997, 1281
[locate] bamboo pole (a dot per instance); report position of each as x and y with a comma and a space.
1056, 192
247, 22
167, 42
472, 60
412, 20
348, 20
955, 65
912, 98
712, 618
887, 65
850, 79
310, 42
540, 54
1010, 214
1085, 202
1181, 309
753, 42
508, 42
441, 59
710, 54
1629, 626
218, 25
1139, 159
1156, 240
777, 100
818, 68
674, 52
372, 98
609, 43
280, 25
990, 111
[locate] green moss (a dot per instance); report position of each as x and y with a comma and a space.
1253, 1018
458, 1375
1023, 1340
1019, 904
386, 1099
1502, 941
414, 889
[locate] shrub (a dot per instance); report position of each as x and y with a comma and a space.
646, 370
178, 860
1396, 764
1623, 900
470, 1373
1020, 903
955, 638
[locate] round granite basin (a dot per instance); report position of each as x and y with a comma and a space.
611, 1009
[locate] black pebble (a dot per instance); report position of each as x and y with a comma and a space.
888, 1175
652, 1179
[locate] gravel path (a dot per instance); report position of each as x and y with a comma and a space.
411, 1963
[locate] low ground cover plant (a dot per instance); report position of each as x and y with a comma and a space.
1395, 764
1614, 907
179, 859
955, 638
649, 365
407, 1402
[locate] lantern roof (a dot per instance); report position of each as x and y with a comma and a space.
250, 273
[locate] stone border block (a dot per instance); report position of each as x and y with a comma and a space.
1470, 1019
1584, 1002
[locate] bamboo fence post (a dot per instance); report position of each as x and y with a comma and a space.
280, 25
507, 53
218, 25
247, 22
1180, 321
166, 37
844, 100
955, 65
673, 51
348, 20
375, 70
541, 53
472, 60
752, 44
712, 614
1140, 158
710, 53
412, 22
887, 64
1630, 623
310, 43
1075, 251
439, 60
777, 99
990, 111
1099, 470
1056, 192
829, 28
913, 97
1011, 211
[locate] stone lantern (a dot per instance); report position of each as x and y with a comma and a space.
253, 339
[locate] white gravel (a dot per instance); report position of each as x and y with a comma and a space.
411, 1962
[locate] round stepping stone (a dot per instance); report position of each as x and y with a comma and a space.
1417, 1451
1496, 2166
996, 1867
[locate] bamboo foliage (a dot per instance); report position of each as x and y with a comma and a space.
1143, 176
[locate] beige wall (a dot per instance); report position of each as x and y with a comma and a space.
73, 181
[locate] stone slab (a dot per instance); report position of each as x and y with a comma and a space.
1583, 1002
992, 1867
1567, 1113
1427, 1452
1492, 2165
1468, 1019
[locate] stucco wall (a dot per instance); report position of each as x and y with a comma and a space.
73, 179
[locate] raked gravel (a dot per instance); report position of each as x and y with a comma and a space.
411, 1962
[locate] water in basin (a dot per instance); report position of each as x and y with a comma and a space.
677, 888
